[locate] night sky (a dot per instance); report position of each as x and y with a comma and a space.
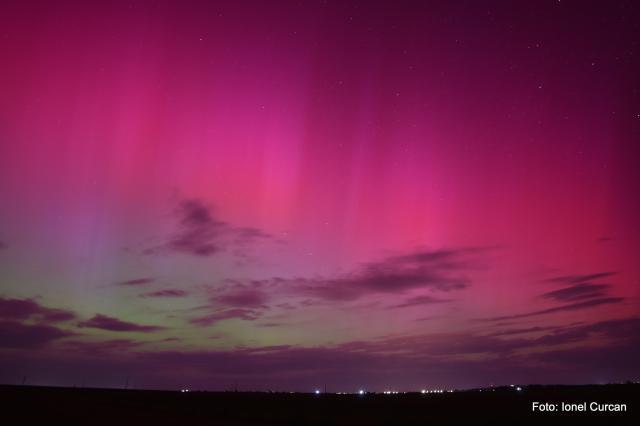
282, 195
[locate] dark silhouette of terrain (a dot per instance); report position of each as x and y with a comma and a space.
504, 405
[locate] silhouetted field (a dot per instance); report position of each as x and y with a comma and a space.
46, 405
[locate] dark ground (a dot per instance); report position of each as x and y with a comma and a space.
48, 405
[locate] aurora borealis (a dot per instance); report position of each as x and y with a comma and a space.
283, 195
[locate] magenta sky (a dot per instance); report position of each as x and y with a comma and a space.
287, 194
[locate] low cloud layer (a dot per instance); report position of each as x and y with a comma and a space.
437, 270
225, 314
168, 292
461, 359
136, 282
22, 309
431, 271
16, 335
579, 292
105, 322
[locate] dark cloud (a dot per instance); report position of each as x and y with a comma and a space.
607, 349
614, 332
202, 234
234, 300
581, 287
102, 346
616, 358
14, 334
136, 282
243, 314
437, 270
248, 235
420, 300
429, 318
251, 294
199, 230
579, 291
245, 298
439, 345
22, 309
625, 328
286, 368
113, 324
169, 292
563, 308
514, 331
579, 279
434, 269
270, 324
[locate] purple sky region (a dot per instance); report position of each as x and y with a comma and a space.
282, 195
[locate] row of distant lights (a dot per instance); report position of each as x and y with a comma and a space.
388, 392
362, 392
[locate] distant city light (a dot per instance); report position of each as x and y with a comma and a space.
317, 392
518, 388
361, 392
433, 391
184, 390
